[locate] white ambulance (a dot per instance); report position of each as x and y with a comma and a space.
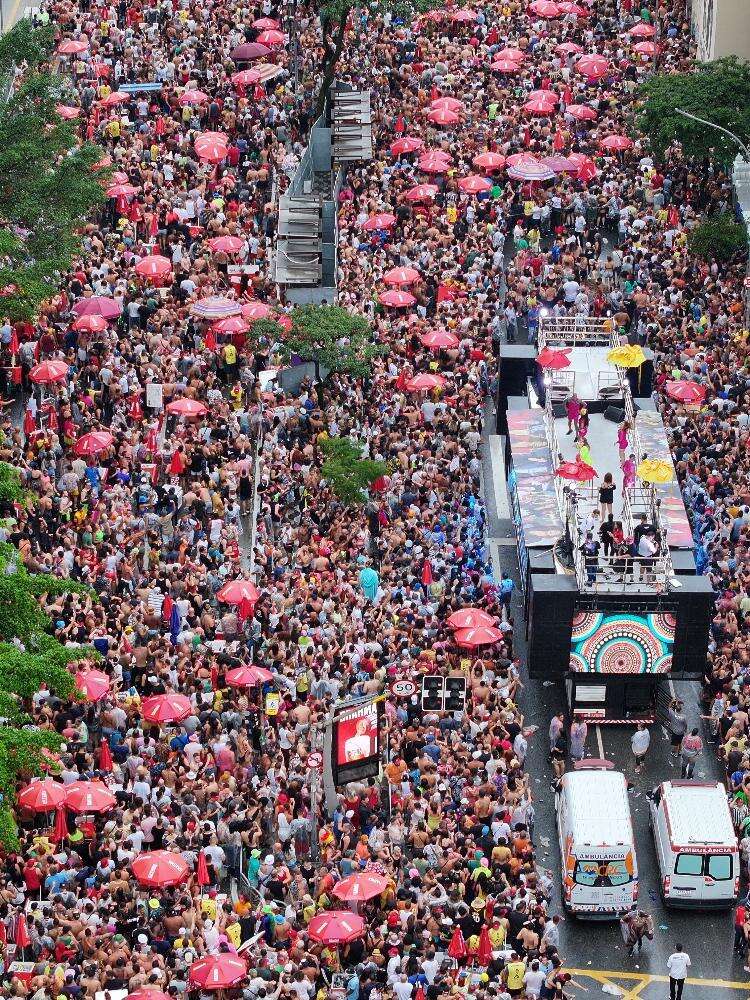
595, 831
696, 846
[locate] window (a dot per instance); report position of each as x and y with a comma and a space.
602, 874
689, 864
719, 867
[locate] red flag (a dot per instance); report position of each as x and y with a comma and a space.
29, 423
13, 343
445, 294
166, 608
105, 756
457, 947
21, 935
244, 609
16, 375
209, 341
135, 410
427, 573
202, 870
484, 949
60, 831
400, 382
259, 93
400, 125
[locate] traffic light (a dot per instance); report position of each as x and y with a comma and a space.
432, 693
455, 694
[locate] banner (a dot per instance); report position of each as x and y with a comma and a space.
355, 749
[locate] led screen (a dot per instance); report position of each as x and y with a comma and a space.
622, 644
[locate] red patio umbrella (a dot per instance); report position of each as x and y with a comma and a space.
105, 756
573, 8
474, 184
98, 305
569, 49
121, 190
72, 47
470, 618
422, 192
249, 676
381, 220
42, 796
576, 472
406, 144
457, 948
231, 324
587, 169
380, 485
530, 169
540, 106
334, 927
226, 244
471, 638
560, 164
115, 98
506, 66
93, 443
646, 48
396, 299
489, 162
463, 16
618, 143
642, 30
216, 307
360, 886
166, 708
67, 112
245, 77
434, 164
551, 96
510, 52
265, 24
159, 869
685, 391
148, 993
424, 382
484, 949
153, 266
552, 359
211, 146
94, 684
256, 310
401, 276
249, 51
439, 116
217, 972
201, 872
187, 407
238, 590
439, 339
91, 324
89, 797
447, 104
48, 372
189, 97
545, 8
594, 66
60, 829
581, 112
271, 37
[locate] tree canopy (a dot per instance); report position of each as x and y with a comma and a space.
347, 472
718, 91
718, 237
47, 184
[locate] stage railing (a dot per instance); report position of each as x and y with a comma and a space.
571, 331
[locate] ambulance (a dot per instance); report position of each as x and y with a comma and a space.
595, 832
696, 846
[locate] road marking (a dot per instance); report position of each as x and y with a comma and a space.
497, 464
600, 742
641, 980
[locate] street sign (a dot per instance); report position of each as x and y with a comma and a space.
315, 759
403, 688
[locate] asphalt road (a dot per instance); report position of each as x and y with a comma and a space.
706, 936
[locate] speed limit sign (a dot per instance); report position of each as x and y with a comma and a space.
315, 760
403, 689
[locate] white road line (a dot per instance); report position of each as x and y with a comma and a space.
497, 464
600, 742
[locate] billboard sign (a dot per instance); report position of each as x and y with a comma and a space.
356, 742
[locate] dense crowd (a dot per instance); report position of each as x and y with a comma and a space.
337, 601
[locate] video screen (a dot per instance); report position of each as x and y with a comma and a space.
622, 643
356, 743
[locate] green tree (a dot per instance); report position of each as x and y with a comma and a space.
47, 185
717, 91
347, 473
717, 237
26, 44
330, 338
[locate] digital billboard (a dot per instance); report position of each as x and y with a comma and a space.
356, 742
622, 643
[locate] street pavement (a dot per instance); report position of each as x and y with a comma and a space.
595, 950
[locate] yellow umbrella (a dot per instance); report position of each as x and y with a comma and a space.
655, 470
627, 356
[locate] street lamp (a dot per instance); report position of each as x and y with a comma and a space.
746, 157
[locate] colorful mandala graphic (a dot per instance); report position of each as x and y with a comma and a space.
622, 644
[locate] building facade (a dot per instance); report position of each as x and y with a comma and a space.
721, 28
